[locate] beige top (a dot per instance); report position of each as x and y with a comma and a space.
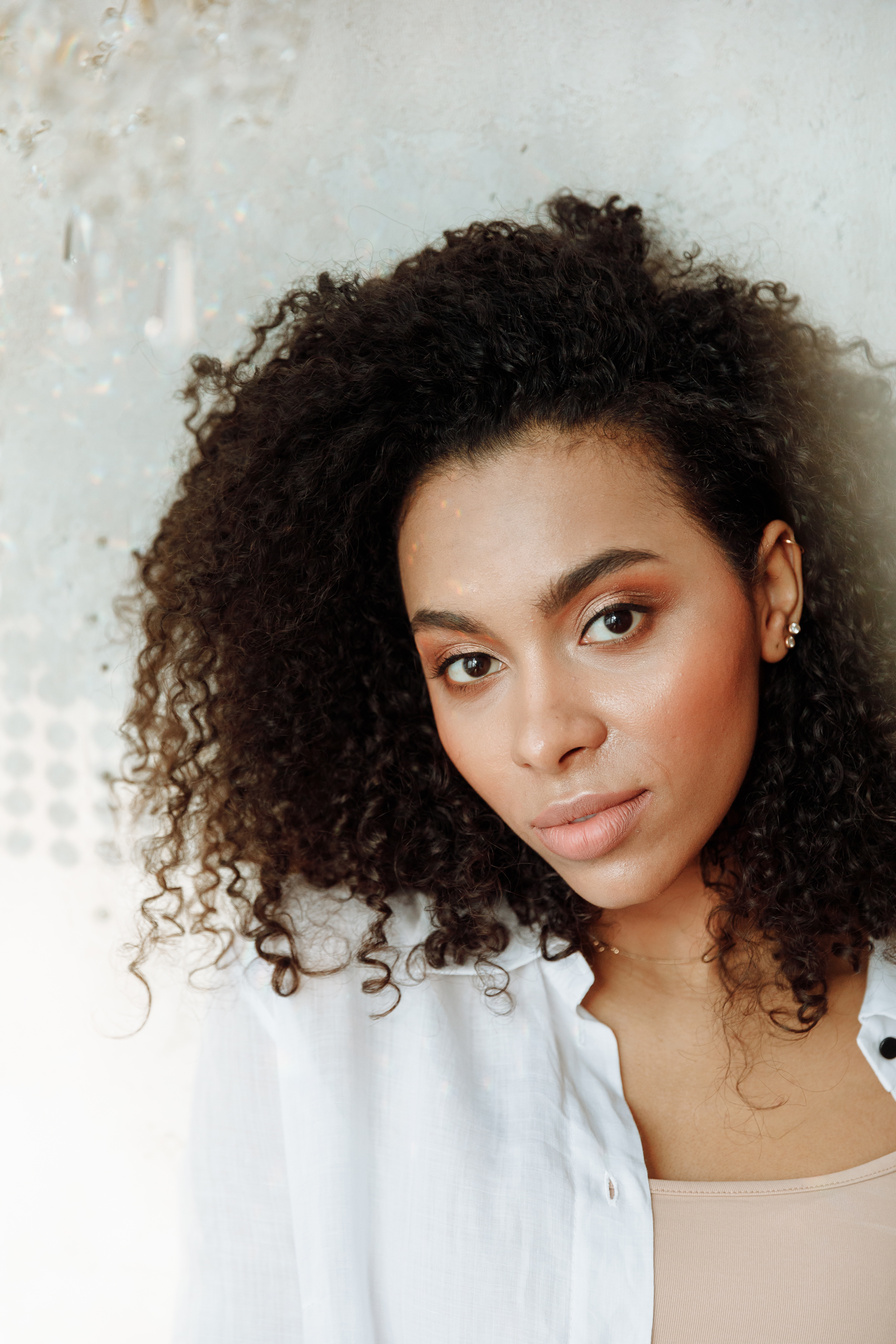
809, 1261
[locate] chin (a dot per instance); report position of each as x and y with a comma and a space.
621, 890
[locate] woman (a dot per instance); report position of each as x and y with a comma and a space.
519, 652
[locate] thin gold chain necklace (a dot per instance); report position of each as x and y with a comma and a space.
654, 961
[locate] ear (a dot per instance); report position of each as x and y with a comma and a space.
778, 594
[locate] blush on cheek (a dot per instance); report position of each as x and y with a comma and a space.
471, 749
715, 715
454, 741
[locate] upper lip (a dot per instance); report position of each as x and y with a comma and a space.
583, 805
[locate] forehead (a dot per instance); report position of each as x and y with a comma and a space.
533, 509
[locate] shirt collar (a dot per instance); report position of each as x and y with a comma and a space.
411, 921
877, 1016
572, 977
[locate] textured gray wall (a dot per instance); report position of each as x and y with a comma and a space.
169, 166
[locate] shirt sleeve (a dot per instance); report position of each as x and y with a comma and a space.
238, 1274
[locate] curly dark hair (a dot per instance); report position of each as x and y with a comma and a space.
281, 728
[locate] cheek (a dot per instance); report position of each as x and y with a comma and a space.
478, 747
474, 744
704, 720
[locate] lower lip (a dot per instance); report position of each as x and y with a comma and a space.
596, 836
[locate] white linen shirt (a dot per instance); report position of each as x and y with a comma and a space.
453, 1172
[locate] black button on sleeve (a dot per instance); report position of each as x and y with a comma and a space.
887, 1047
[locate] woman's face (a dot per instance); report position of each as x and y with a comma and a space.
591, 657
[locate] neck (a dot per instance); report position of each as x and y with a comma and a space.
665, 939
666, 953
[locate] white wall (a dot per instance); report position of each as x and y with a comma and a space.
200, 162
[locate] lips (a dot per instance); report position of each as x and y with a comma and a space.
590, 825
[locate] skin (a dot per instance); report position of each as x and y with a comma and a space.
549, 697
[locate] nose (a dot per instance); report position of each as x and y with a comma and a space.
555, 720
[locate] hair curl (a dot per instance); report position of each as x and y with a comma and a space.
280, 726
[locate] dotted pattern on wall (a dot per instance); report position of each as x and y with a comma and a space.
55, 773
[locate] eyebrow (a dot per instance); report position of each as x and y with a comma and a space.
558, 594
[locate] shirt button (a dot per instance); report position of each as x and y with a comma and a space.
887, 1047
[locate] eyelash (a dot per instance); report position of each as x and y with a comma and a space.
443, 666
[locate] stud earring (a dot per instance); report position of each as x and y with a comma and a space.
792, 629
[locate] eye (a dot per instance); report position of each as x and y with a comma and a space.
613, 624
471, 667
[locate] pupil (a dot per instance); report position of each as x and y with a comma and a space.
618, 622
476, 665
